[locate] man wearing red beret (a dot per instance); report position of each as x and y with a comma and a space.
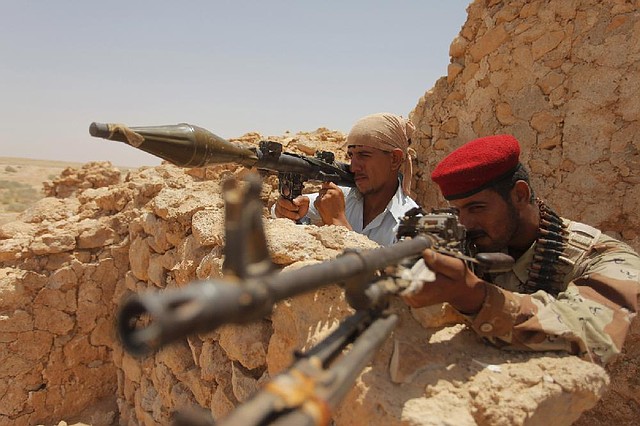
572, 287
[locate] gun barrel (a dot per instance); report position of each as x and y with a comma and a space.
148, 321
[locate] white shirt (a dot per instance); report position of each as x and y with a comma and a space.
383, 228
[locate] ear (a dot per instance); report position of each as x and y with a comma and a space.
521, 193
397, 157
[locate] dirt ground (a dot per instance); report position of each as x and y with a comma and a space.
21, 182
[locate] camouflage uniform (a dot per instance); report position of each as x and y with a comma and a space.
573, 290
588, 314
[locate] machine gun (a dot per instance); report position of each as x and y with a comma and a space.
186, 145
313, 386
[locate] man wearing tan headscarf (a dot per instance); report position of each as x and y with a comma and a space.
381, 162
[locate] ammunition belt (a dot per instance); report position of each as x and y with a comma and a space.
549, 259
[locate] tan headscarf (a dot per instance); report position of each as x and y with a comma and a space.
386, 131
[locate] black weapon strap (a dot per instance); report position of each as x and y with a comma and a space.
549, 264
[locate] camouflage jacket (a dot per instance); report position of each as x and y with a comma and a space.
589, 315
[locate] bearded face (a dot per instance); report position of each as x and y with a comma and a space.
492, 222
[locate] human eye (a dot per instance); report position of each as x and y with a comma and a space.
476, 208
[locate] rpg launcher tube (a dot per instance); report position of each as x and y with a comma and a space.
148, 321
184, 145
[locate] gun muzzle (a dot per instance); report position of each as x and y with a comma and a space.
148, 321
100, 130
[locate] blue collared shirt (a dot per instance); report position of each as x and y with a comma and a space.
383, 228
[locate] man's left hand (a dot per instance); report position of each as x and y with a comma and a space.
454, 283
331, 205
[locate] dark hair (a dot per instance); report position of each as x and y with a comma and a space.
504, 186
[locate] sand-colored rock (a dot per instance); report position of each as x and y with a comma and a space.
78, 353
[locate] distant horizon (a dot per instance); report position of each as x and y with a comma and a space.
61, 163
230, 67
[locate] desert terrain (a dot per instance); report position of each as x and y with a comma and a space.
21, 182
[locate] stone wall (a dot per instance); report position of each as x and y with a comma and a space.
59, 265
562, 76
64, 266
162, 228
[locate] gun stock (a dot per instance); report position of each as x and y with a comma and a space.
307, 377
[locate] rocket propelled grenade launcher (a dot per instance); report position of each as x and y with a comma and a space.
186, 145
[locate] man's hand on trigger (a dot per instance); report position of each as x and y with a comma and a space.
454, 284
331, 205
294, 210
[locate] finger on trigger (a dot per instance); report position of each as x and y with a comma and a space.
429, 257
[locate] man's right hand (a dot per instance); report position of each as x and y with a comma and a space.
294, 210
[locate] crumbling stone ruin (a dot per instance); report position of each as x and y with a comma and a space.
563, 77
71, 261
559, 75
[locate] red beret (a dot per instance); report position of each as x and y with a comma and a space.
476, 165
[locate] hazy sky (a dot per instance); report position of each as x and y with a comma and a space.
229, 66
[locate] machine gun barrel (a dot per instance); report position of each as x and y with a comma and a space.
148, 321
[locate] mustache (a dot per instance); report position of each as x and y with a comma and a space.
475, 233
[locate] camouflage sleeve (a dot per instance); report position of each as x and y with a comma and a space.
589, 319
